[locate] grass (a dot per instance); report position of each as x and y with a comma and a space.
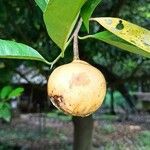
143, 140
140, 142
59, 115
108, 129
10, 137
107, 117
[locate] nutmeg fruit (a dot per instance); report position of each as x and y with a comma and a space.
77, 88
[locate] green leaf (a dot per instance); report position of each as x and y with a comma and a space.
5, 92
60, 18
127, 31
16, 92
5, 111
110, 38
42, 4
14, 50
87, 11
1, 105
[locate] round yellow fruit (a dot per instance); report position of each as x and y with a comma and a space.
77, 88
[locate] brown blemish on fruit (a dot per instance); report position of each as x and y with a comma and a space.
80, 79
59, 102
57, 99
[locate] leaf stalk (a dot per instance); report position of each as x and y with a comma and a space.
75, 41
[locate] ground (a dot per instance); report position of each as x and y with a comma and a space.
55, 132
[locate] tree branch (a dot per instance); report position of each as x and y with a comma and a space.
22, 76
129, 79
75, 40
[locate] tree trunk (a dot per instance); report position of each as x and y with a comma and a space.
83, 128
112, 109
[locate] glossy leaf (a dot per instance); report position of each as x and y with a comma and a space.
5, 92
111, 39
60, 18
87, 11
16, 92
42, 4
129, 32
14, 50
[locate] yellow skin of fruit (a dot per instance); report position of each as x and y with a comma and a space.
77, 88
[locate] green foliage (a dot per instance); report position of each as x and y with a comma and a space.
14, 50
6, 94
16, 92
57, 114
5, 111
140, 12
5, 147
87, 11
60, 23
110, 38
129, 32
42, 4
60, 18
119, 99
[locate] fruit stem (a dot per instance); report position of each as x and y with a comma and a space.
75, 41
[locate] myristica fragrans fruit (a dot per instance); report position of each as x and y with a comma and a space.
77, 88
